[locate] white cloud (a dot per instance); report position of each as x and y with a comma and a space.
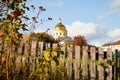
114, 33
57, 4
79, 28
115, 6
94, 33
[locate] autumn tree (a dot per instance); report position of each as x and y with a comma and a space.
43, 37
13, 19
80, 40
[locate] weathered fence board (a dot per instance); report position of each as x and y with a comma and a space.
101, 62
69, 63
33, 54
109, 60
20, 48
92, 63
53, 64
85, 63
77, 61
40, 50
116, 65
27, 51
62, 57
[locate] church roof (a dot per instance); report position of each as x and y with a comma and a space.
66, 39
117, 42
114, 43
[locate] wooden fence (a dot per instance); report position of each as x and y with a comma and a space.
85, 63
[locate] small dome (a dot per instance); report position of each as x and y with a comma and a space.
60, 26
59, 30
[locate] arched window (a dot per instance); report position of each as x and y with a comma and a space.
60, 33
56, 33
63, 34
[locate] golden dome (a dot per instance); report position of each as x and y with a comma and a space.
59, 30
60, 26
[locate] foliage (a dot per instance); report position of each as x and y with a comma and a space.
12, 18
43, 37
80, 40
48, 70
12, 21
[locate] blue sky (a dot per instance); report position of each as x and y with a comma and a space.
97, 20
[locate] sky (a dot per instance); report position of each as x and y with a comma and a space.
97, 20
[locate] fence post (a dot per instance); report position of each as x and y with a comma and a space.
33, 54
33, 48
27, 51
100, 66
40, 50
77, 62
20, 53
116, 65
69, 62
53, 64
85, 62
109, 61
62, 56
92, 64
47, 45
20, 48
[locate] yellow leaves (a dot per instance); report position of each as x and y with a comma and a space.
7, 38
46, 69
40, 70
17, 23
44, 62
47, 56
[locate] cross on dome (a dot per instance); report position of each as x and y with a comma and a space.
59, 20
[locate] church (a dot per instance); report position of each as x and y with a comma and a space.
60, 33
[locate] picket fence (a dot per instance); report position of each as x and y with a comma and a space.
82, 63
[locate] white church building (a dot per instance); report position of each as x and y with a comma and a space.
60, 33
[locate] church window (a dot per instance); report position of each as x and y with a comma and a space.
56, 33
60, 33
